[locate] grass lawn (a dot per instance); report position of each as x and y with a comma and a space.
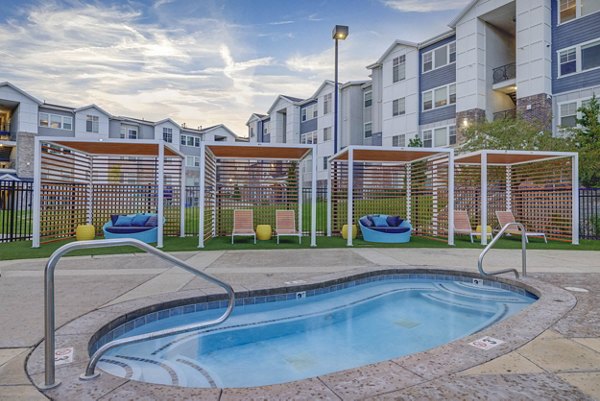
23, 250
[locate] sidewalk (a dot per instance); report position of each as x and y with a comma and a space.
565, 360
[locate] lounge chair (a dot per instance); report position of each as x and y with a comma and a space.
141, 226
243, 224
384, 228
462, 225
285, 224
505, 217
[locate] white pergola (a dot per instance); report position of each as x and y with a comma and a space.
423, 172
248, 166
545, 182
80, 181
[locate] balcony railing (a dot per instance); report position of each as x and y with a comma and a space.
504, 73
504, 114
7, 165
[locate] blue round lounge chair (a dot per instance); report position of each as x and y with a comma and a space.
385, 229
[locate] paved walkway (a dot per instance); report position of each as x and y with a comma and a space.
564, 361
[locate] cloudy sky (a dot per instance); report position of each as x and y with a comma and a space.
202, 62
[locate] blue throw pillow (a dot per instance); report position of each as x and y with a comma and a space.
380, 221
394, 221
123, 221
152, 221
113, 218
365, 221
139, 220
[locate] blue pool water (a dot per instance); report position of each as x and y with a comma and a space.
277, 342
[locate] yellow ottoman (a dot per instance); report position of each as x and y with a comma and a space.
85, 232
263, 232
345, 231
488, 232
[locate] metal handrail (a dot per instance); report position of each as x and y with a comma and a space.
523, 252
49, 304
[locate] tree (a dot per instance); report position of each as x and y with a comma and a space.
415, 142
586, 140
512, 134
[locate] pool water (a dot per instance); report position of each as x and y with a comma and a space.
278, 342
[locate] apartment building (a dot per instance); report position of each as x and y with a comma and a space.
539, 59
22, 117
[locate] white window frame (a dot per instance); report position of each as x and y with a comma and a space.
396, 107
167, 134
370, 124
327, 107
126, 132
309, 137
63, 120
577, 12
432, 53
309, 112
325, 160
449, 89
399, 65
95, 127
327, 134
578, 58
431, 132
192, 161
399, 140
579, 103
368, 94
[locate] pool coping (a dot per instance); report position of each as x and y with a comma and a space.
365, 381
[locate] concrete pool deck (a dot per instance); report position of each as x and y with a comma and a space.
561, 363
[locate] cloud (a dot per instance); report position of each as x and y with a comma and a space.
281, 22
424, 6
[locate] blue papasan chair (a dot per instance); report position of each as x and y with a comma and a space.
384, 228
141, 226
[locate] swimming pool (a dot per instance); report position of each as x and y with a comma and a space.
286, 337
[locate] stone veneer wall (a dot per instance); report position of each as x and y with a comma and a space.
472, 116
25, 154
540, 110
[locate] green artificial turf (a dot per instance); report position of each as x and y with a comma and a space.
23, 250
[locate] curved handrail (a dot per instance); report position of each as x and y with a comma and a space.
523, 252
49, 304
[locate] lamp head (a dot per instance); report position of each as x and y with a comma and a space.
339, 32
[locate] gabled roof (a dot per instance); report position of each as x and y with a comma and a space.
57, 107
170, 120
9, 177
255, 116
353, 83
437, 38
390, 49
22, 92
460, 15
221, 126
325, 83
93, 106
293, 100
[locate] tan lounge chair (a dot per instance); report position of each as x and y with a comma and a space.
462, 225
505, 217
285, 224
243, 224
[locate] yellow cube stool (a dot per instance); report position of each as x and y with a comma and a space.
345, 231
85, 232
488, 231
263, 232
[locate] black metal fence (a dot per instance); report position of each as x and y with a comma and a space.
15, 210
589, 213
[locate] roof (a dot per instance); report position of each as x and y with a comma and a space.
113, 147
255, 116
93, 106
293, 100
397, 42
167, 120
21, 91
258, 151
221, 126
388, 154
464, 12
325, 83
509, 157
353, 83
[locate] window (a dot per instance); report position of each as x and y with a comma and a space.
327, 104
439, 97
439, 136
189, 140
572, 9
309, 112
251, 132
399, 68
168, 134
399, 140
568, 114
192, 161
309, 137
568, 61
325, 163
398, 107
427, 104
452, 135
129, 131
368, 130
92, 124
326, 134
55, 121
427, 138
368, 98
439, 57
590, 56
267, 128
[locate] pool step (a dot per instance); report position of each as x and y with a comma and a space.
480, 296
440, 298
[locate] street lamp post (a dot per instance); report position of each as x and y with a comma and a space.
340, 32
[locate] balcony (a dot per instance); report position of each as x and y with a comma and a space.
504, 78
504, 114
